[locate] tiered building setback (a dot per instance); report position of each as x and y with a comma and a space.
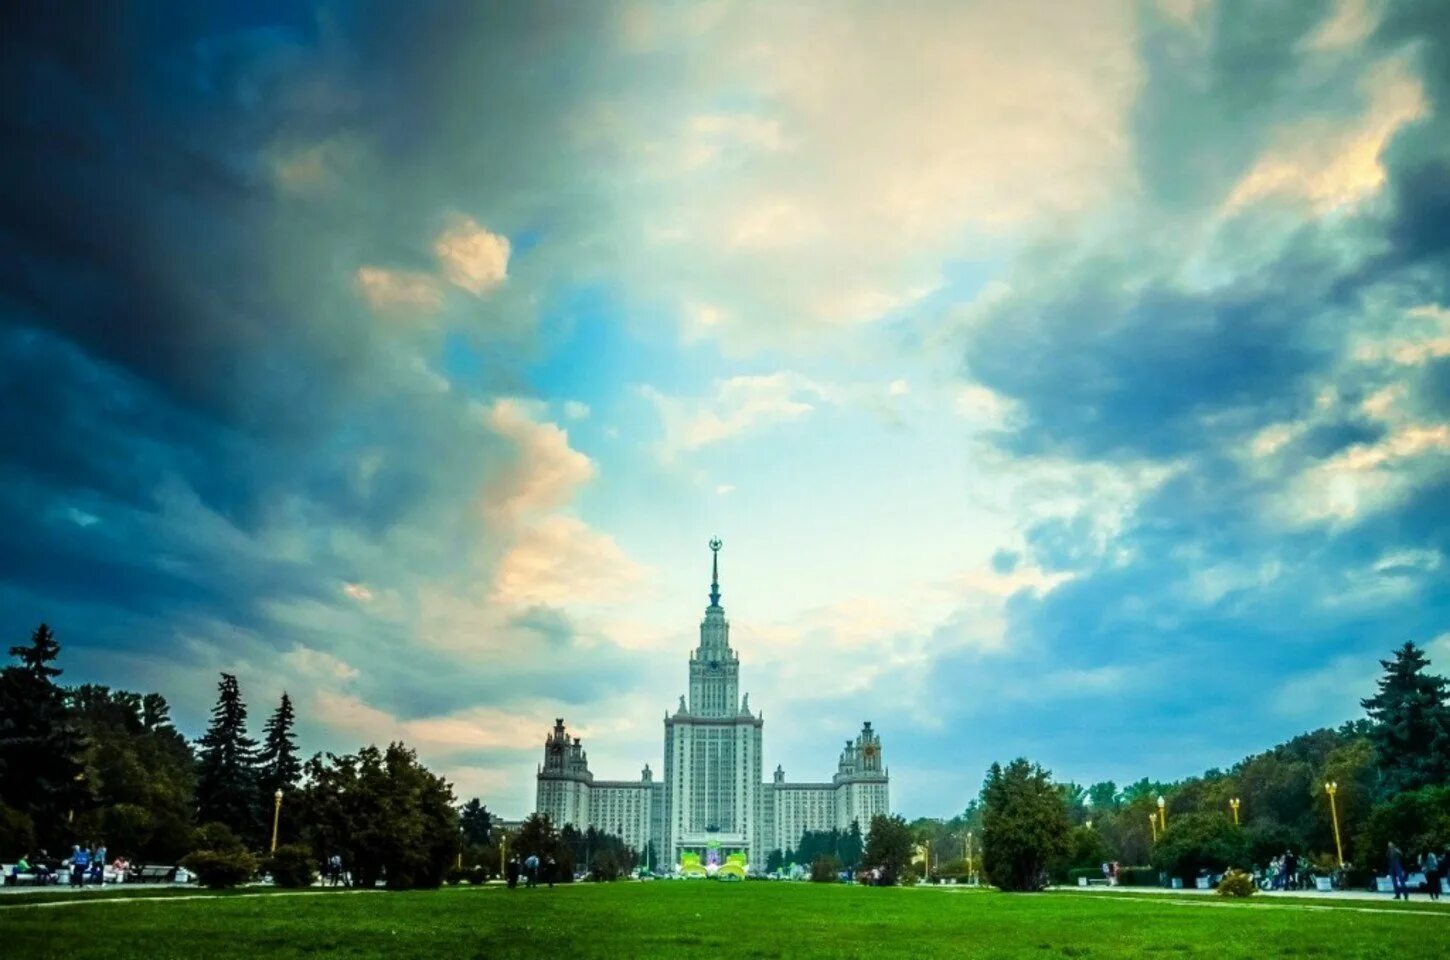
712, 800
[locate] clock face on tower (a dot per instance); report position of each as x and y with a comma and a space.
870, 751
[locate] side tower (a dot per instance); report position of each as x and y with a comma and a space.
564, 779
862, 781
712, 750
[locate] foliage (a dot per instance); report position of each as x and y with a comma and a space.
1195, 842
292, 865
216, 836
476, 821
140, 770
17, 833
847, 846
221, 869
278, 765
826, 869
1086, 849
1024, 826
226, 786
1411, 734
1237, 883
605, 867
40, 773
1416, 822
384, 813
888, 847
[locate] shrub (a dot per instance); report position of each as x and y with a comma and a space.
220, 869
1237, 883
215, 836
605, 867
455, 876
291, 865
1198, 842
478, 875
825, 869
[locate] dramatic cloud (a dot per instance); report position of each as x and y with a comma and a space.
1034, 361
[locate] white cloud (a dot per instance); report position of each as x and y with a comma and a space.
396, 290
547, 471
1330, 164
575, 410
739, 405
561, 560
472, 257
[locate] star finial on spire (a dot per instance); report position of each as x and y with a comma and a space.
715, 546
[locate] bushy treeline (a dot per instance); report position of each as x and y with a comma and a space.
88, 764
1391, 777
841, 848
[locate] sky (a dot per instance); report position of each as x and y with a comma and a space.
1069, 381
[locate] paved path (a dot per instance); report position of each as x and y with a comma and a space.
1340, 895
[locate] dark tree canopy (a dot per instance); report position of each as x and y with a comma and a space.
278, 765
41, 777
1025, 826
477, 823
226, 788
1411, 732
889, 846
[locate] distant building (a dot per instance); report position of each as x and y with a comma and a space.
712, 799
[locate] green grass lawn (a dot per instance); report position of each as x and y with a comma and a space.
702, 919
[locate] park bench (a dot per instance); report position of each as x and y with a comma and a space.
151, 873
1092, 881
28, 879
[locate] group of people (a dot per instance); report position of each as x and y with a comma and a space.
531, 870
1431, 864
1284, 872
86, 864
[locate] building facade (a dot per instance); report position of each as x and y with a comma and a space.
712, 800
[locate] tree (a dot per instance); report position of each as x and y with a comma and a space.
477, 823
1103, 797
278, 765
140, 770
41, 777
1411, 732
1416, 821
386, 815
889, 846
226, 788
1196, 842
1024, 826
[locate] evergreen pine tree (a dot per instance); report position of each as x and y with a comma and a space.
278, 765
226, 787
1411, 732
477, 822
40, 749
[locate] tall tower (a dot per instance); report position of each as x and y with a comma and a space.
712, 749
714, 667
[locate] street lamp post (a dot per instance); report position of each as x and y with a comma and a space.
1153, 825
1332, 788
276, 816
1234, 806
1162, 816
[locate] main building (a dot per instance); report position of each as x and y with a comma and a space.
713, 800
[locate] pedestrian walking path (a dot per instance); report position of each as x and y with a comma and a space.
1332, 895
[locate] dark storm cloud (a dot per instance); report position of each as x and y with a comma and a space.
204, 424
1209, 597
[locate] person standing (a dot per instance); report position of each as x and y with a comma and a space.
1396, 864
1430, 864
80, 862
531, 870
550, 868
511, 873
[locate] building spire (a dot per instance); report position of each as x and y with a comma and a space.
715, 572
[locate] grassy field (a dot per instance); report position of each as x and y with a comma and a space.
711, 919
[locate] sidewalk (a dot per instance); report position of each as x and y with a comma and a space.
1365, 895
